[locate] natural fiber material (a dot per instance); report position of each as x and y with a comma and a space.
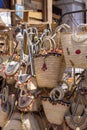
28, 102
14, 123
42, 121
77, 120
49, 70
75, 123
30, 122
3, 115
54, 112
75, 49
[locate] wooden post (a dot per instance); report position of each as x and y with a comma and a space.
44, 10
13, 2
49, 11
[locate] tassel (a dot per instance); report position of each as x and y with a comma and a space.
44, 67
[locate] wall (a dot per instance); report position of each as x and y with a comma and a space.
72, 5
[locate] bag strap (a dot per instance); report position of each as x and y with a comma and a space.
78, 39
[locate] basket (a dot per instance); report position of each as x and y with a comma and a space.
75, 49
78, 120
49, 65
54, 112
53, 73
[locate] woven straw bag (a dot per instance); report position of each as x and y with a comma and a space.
28, 102
14, 123
49, 68
54, 112
29, 122
75, 49
78, 120
4, 112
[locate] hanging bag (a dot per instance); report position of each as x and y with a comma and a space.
55, 107
49, 65
75, 49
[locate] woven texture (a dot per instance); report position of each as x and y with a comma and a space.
14, 123
3, 115
72, 125
54, 113
55, 67
75, 49
29, 122
78, 119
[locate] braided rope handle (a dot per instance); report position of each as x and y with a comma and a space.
51, 41
58, 93
66, 27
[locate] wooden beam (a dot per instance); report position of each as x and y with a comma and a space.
16, 16
56, 16
49, 11
44, 10
35, 15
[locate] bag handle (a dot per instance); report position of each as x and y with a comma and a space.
29, 100
82, 25
51, 41
58, 93
78, 39
64, 26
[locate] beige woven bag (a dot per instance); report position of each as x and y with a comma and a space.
54, 109
79, 120
29, 122
49, 67
75, 49
14, 123
4, 112
54, 112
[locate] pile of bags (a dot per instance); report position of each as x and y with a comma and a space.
33, 91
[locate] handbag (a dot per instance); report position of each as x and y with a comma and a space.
76, 115
4, 111
14, 123
29, 122
75, 49
27, 102
49, 65
11, 68
78, 120
55, 107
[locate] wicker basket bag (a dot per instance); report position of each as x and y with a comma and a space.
77, 120
75, 49
49, 67
54, 107
54, 112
